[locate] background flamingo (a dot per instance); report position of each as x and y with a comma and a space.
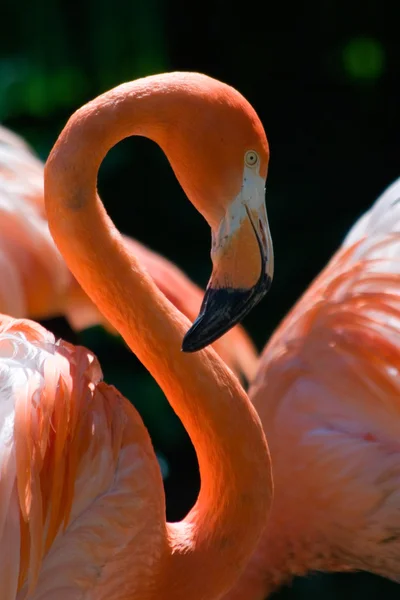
328, 394
36, 283
82, 505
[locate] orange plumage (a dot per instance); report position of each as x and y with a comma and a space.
328, 394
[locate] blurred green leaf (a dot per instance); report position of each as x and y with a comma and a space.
364, 58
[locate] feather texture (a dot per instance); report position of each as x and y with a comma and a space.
328, 393
80, 483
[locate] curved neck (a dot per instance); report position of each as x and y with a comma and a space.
207, 549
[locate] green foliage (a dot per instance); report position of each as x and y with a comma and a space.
364, 59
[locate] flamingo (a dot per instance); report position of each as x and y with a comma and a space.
328, 394
82, 509
35, 281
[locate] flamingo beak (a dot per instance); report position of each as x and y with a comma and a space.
243, 266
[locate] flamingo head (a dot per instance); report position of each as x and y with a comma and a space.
218, 149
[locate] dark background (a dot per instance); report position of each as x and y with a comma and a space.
324, 78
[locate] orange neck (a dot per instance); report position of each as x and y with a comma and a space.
210, 547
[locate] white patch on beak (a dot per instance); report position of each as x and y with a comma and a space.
248, 204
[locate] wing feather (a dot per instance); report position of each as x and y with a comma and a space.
79, 478
31, 268
382, 218
351, 312
328, 393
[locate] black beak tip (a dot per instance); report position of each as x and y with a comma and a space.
189, 343
198, 336
220, 311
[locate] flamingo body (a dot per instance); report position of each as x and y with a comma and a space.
33, 275
328, 394
79, 475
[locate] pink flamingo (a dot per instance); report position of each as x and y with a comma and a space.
328, 394
35, 281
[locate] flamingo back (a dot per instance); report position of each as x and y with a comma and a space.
328, 393
81, 496
32, 273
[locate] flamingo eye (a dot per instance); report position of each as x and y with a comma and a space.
251, 158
